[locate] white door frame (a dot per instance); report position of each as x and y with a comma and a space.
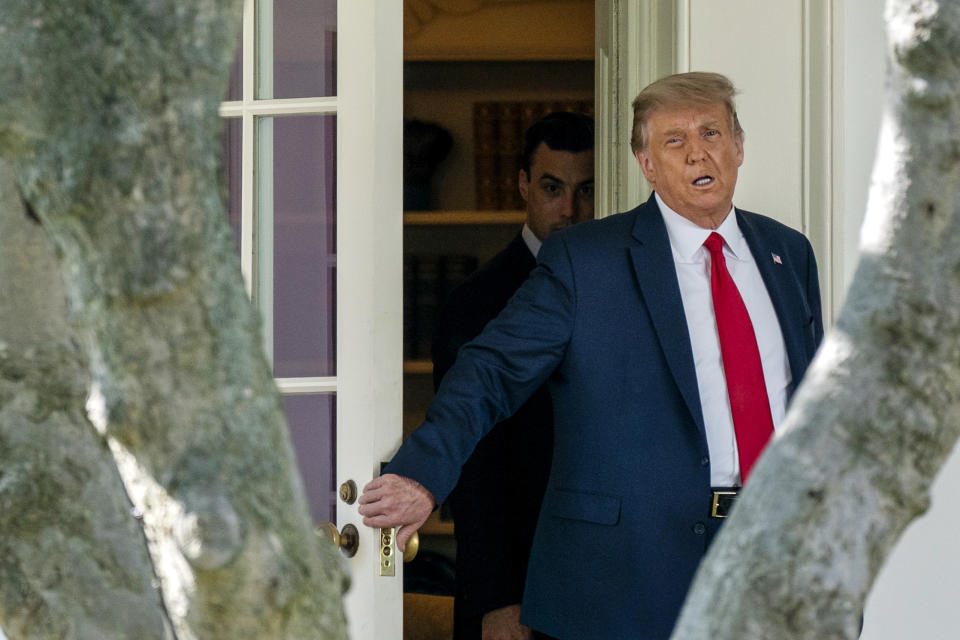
369, 285
635, 45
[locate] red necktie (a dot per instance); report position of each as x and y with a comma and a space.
741, 362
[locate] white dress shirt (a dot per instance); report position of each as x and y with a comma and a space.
530, 238
692, 261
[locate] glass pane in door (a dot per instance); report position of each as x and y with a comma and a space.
235, 88
298, 42
232, 161
298, 242
311, 418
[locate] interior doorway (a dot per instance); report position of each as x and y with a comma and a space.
474, 80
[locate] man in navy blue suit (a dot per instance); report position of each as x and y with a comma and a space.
656, 416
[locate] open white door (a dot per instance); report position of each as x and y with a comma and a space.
313, 148
370, 285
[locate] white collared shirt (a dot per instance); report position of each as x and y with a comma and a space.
533, 242
692, 262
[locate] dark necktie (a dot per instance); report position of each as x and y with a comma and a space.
741, 362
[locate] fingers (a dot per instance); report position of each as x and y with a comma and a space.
395, 501
385, 486
373, 485
372, 491
381, 521
377, 515
403, 536
378, 502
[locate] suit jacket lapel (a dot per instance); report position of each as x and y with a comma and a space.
657, 278
779, 278
520, 257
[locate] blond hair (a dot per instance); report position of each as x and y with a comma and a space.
696, 88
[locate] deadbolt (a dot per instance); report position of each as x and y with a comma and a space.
347, 540
348, 491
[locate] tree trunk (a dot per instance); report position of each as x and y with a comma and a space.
109, 116
879, 411
71, 550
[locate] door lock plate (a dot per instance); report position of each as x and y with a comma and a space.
388, 556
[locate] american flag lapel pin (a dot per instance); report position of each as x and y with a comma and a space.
776, 259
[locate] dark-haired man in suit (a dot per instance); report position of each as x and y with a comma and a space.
673, 336
497, 498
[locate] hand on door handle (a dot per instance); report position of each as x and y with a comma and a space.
394, 501
348, 540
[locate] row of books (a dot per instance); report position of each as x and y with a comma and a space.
427, 281
498, 130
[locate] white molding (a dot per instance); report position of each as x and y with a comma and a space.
635, 45
819, 164
279, 107
301, 386
682, 36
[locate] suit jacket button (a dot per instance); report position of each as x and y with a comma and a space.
699, 529
704, 461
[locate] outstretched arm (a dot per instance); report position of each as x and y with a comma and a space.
492, 378
395, 501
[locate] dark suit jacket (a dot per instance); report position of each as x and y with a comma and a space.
625, 519
497, 499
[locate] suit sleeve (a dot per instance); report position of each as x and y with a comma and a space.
502, 483
494, 374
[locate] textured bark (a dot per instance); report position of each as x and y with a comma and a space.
108, 115
879, 411
71, 550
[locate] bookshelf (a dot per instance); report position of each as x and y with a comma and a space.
466, 216
418, 367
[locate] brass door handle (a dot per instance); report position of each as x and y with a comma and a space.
347, 540
413, 545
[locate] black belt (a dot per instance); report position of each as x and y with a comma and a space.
722, 502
